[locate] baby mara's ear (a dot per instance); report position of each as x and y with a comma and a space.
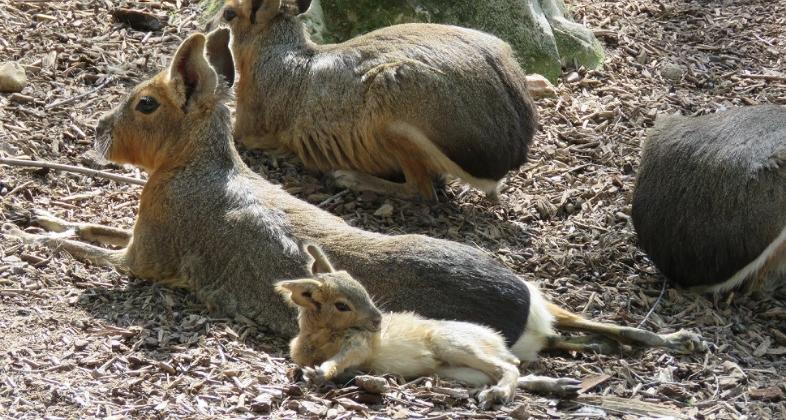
301, 292
190, 76
321, 263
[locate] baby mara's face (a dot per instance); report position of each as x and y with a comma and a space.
333, 300
346, 304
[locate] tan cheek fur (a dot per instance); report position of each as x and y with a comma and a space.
132, 141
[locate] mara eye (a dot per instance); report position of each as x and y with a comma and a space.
229, 14
147, 104
342, 307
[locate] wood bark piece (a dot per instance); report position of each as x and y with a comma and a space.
137, 19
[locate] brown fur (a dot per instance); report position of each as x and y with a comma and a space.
417, 100
209, 224
335, 338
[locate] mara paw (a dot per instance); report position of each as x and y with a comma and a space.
314, 376
12, 230
561, 387
684, 341
49, 222
492, 396
345, 179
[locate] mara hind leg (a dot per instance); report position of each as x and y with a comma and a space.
79, 250
682, 341
487, 355
414, 162
104, 235
359, 181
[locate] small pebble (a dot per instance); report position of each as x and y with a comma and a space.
672, 71
12, 77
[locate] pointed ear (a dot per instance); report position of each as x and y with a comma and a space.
303, 5
220, 56
264, 10
300, 292
321, 263
189, 74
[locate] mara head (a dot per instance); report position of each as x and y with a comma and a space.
331, 299
248, 18
158, 117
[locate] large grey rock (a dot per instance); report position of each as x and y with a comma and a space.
543, 37
12, 77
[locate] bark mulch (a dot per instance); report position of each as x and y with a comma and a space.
82, 341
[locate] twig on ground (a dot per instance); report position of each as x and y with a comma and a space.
69, 168
654, 305
80, 96
767, 77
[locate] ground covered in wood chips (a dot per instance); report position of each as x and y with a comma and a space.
81, 341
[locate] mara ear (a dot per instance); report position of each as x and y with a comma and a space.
190, 75
321, 263
220, 56
300, 292
264, 10
303, 5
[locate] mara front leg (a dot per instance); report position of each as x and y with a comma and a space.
105, 235
354, 352
93, 254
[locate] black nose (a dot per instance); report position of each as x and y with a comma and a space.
229, 14
103, 127
377, 321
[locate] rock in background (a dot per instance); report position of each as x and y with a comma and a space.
543, 37
12, 77
540, 31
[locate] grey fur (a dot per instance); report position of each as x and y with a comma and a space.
711, 192
461, 88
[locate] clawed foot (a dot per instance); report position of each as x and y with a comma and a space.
50, 222
561, 387
684, 341
314, 376
492, 396
357, 181
12, 230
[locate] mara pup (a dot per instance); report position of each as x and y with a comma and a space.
709, 205
209, 224
341, 329
415, 100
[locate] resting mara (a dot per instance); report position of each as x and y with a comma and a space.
207, 223
710, 200
415, 100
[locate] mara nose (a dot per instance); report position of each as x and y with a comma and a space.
376, 321
103, 126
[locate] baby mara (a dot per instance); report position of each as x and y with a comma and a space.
341, 330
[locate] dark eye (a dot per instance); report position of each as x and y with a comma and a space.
229, 14
147, 104
343, 307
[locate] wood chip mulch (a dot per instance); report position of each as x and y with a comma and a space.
79, 341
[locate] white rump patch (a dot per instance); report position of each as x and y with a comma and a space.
540, 326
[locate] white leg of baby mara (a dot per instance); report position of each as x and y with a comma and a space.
465, 375
540, 326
